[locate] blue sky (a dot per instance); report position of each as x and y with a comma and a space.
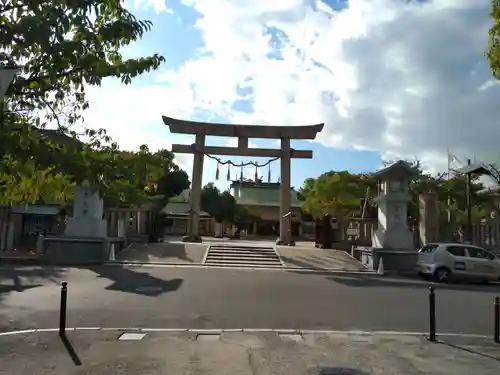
174, 36
299, 62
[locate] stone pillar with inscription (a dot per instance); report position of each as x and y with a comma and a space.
392, 200
428, 217
87, 220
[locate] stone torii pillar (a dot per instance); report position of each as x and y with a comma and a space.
285, 194
195, 196
243, 133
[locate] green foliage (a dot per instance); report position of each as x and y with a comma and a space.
64, 45
342, 194
494, 40
27, 184
336, 193
221, 206
61, 47
57, 162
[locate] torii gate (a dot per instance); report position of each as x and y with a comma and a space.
243, 133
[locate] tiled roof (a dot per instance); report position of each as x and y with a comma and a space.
36, 209
179, 208
399, 165
265, 195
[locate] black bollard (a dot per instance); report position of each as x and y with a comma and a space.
62, 310
432, 315
496, 334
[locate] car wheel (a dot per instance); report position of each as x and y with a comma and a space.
442, 275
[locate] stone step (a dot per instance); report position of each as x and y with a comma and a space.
253, 265
241, 261
242, 256
246, 259
247, 248
242, 253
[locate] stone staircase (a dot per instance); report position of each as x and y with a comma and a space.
242, 256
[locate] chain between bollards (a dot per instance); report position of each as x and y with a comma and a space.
496, 333
62, 310
432, 315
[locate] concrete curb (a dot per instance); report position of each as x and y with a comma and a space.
205, 255
246, 330
184, 265
277, 251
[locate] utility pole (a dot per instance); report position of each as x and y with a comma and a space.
468, 228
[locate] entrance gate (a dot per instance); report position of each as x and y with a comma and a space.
243, 133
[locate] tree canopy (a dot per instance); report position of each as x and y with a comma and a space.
494, 40
337, 193
61, 47
220, 205
341, 193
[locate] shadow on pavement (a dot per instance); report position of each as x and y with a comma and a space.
129, 281
321, 263
471, 351
71, 351
17, 279
340, 371
380, 281
162, 250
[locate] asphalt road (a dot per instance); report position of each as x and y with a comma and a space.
223, 298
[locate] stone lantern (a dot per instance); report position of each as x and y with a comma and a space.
392, 202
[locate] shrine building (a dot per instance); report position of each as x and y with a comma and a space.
260, 199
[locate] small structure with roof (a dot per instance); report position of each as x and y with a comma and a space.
177, 213
262, 201
392, 200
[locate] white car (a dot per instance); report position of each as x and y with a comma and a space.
443, 261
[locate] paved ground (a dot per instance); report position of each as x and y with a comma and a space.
166, 297
100, 353
174, 251
164, 252
310, 257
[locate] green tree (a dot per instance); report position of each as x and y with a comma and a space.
494, 40
61, 47
221, 206
337, 193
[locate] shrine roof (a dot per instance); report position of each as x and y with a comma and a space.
246, 131
474, 169
263, 194
400, 165
179, 209
37, 209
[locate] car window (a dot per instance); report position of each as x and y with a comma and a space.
428, 248
475, 252
458, 251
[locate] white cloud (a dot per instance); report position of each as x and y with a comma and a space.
406, 78
157, 5
131, 115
